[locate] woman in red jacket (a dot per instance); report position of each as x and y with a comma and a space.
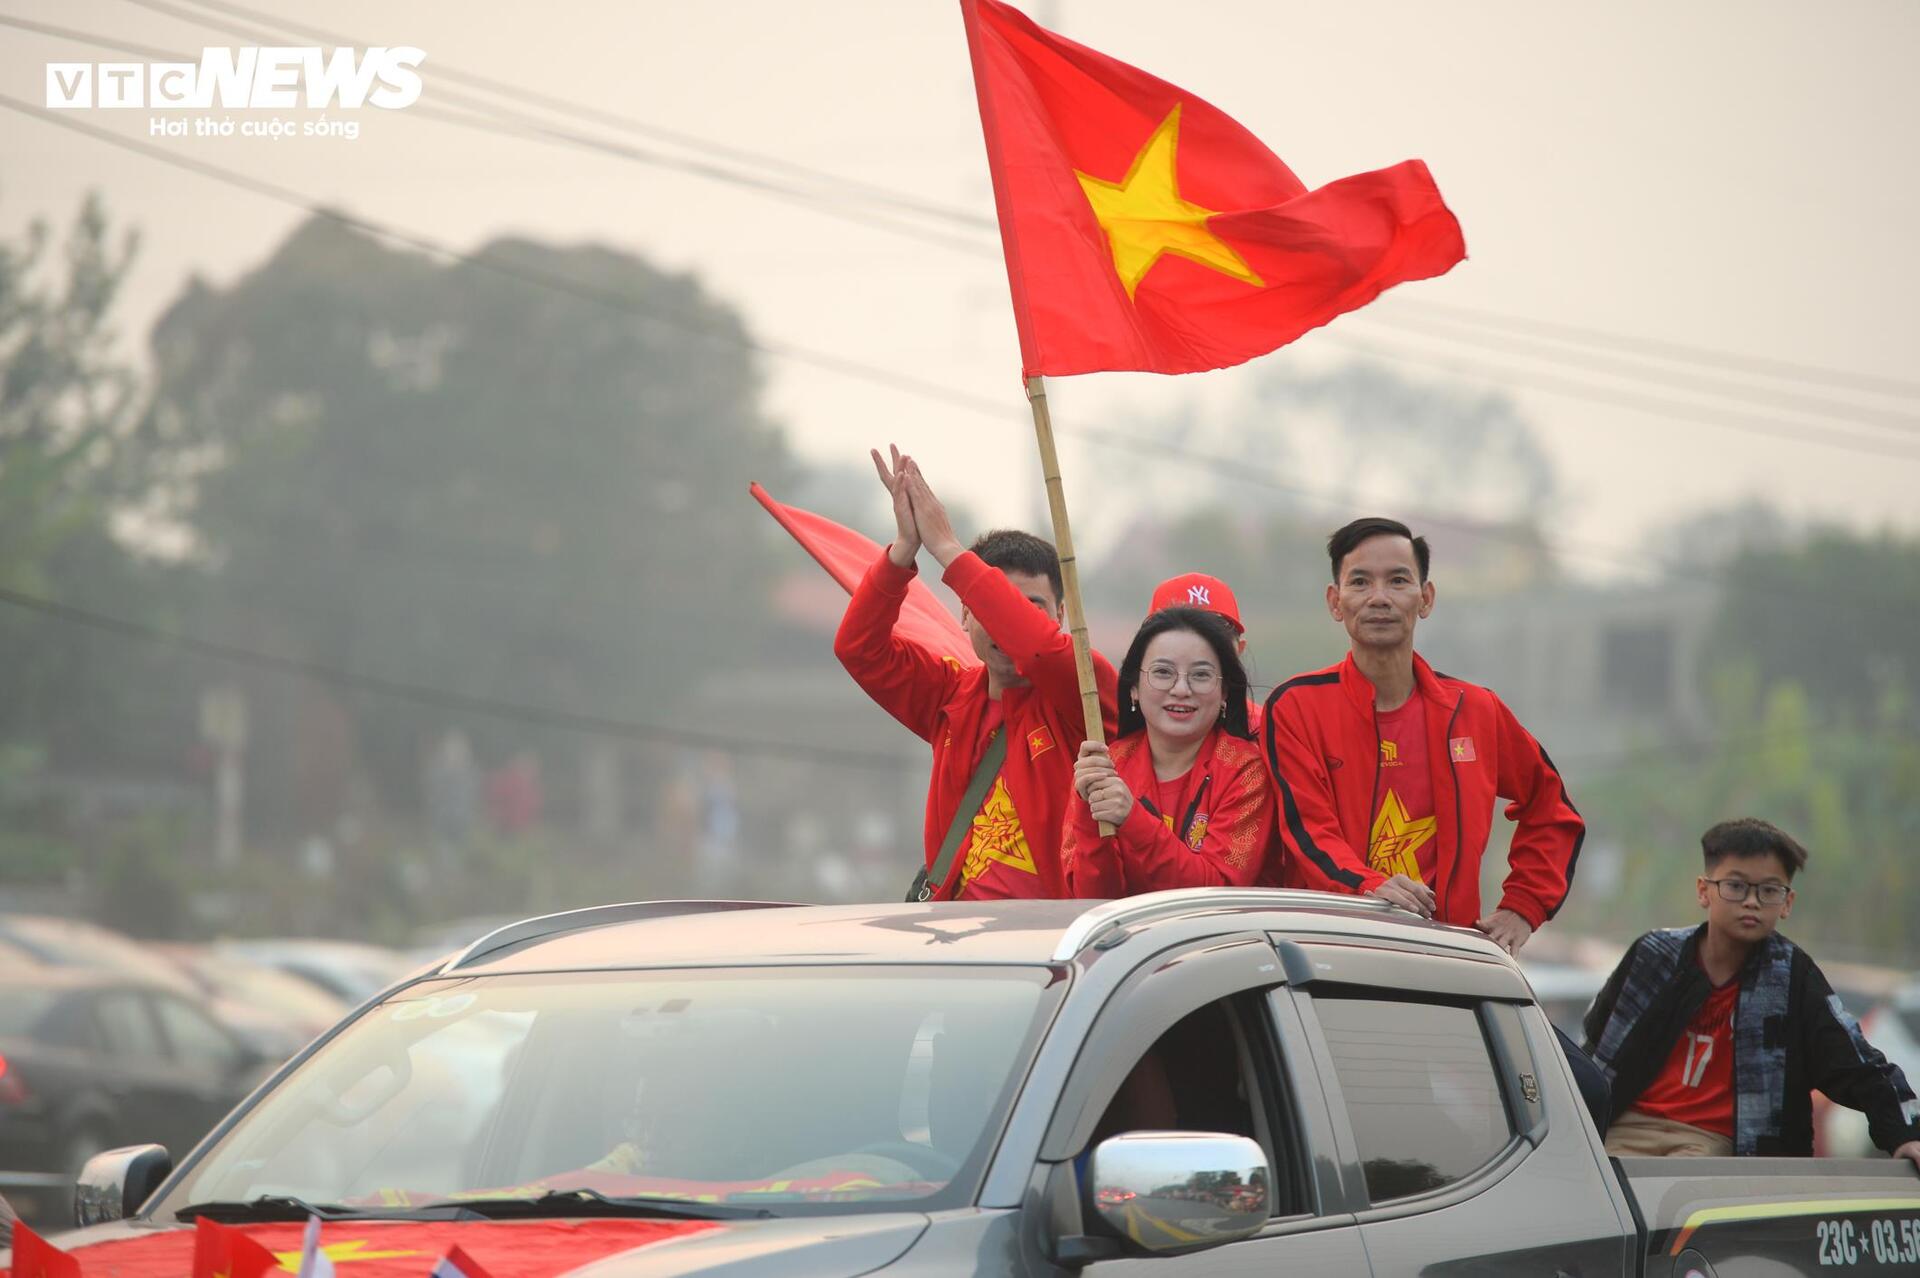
1183, 784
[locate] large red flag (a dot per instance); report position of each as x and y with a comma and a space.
1146, 230
35, 1257
846, 556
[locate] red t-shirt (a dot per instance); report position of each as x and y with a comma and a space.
1401, 841
1174, 801
995, 861
1695, 1086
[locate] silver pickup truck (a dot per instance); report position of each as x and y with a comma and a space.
1204, 1082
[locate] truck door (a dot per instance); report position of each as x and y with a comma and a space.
1471, 1153
1190, 1044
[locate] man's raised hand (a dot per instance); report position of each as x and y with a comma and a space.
930, 516
906, 536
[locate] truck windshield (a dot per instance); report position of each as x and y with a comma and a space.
780, 1088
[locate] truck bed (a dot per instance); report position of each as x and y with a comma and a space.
1775, 1215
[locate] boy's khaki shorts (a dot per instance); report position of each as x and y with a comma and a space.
1638, 1135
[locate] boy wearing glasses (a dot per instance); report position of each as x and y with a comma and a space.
1712, 1036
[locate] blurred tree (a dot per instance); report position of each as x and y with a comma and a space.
1837, 612
1364, 429
64, 394
1810, 683
1249, 493
520, 476
72, 471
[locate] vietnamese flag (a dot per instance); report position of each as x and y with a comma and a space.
1145, 230
221, 1251
846, 555
35, 1257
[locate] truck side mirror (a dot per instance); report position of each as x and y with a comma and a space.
1170, 1192
113, 1184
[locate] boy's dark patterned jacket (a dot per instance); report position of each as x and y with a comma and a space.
1790, 1034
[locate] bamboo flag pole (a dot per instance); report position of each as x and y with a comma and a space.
1069, 568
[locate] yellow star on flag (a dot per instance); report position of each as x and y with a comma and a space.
1144, 216
339, 1253
1395, 839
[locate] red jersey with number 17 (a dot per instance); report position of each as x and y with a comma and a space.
1696, 1084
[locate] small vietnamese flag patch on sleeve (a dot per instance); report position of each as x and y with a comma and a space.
1039, 741
1461, 750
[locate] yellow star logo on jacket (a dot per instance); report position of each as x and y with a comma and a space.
1396, 838
997, 836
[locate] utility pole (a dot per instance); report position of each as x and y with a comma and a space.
223, 725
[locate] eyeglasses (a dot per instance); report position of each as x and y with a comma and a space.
1737, 890
1201, 680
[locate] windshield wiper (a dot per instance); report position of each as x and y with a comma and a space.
267, 1207
589, 1202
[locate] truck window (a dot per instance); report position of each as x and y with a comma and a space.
1190, 1080
1420, 1090
1201, 1076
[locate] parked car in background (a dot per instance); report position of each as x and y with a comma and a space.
91, 1059
1565, 991
276, 1012
441, 939
62, 942
348, 970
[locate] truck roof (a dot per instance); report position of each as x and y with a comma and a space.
705, 933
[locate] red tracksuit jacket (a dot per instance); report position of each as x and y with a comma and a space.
1323, 750
1224, 840
943, 704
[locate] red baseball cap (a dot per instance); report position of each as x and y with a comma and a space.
1197, 590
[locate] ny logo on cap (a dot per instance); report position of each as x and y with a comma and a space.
1199, 596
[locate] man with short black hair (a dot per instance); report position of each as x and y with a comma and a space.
1004, 733
1712, 1036
1388, 772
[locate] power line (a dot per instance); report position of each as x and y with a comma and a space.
1673, 351
1233, 468
499, 122
85, 37
598, 725
856, 369
1703, 414
704, 145
1776, 428
1765, 366
1771, 397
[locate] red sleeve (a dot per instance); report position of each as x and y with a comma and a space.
1232, 852
1042, 652
1317, 853
1547, 842
907, 681
1092, 864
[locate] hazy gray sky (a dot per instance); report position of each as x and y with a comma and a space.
1735, 176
